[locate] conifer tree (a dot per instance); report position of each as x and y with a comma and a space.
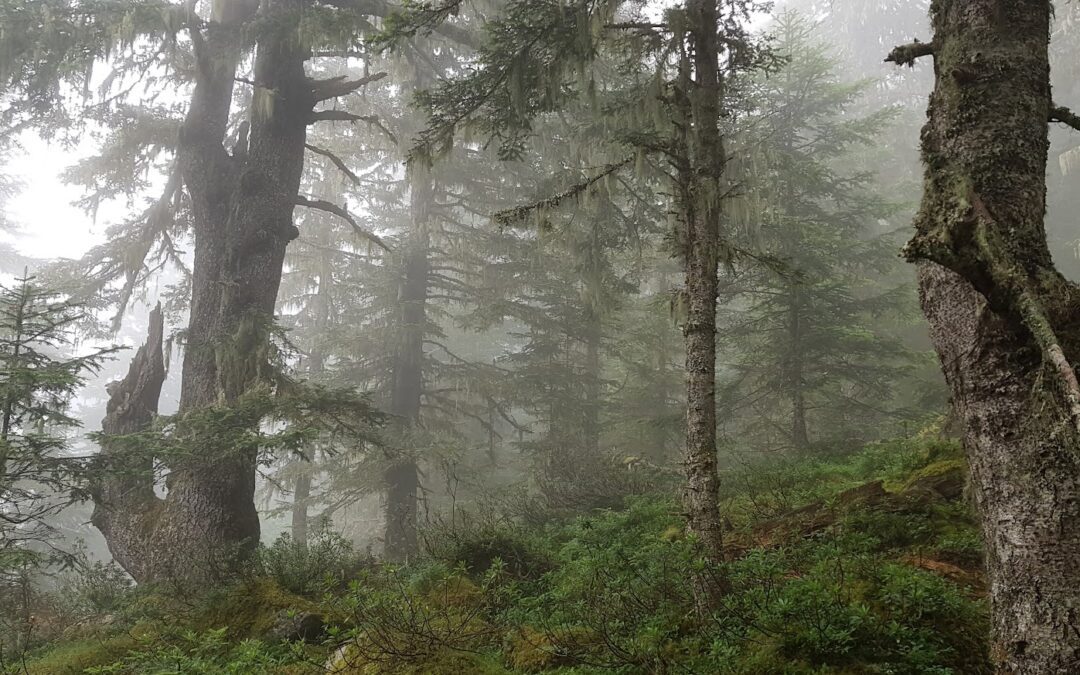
40, 373
805, 336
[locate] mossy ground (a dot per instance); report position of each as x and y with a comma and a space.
865, 569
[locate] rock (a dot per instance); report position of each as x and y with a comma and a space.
296, 626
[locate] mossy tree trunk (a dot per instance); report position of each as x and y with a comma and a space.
1003, 320
699, 157
242, 207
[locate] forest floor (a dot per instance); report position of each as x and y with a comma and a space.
865, 563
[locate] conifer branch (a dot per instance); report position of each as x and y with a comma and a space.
1065, 116
518, 213
324, 90
337, 161
340, 212
907, 55
432, 19
346, 116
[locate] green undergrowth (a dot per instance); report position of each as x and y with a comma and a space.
868, 563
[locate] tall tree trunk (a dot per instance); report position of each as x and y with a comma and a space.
298, 525
698, 98
402, 477
1003, 320
242, 206
800, 437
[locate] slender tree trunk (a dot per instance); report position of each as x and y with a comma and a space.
301, 495
403, 477
698, 98
593, 384
1003, 320
800, 437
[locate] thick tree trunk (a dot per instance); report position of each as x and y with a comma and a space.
403, 476
242, 207
1003, 320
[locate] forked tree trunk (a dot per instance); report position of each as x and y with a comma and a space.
1003, 320
242, 206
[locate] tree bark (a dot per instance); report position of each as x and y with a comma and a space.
242, 206
1003, 320
299, 515
403, 475
701, 156
800, 436
124, 500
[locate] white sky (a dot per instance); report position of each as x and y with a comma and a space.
51, 226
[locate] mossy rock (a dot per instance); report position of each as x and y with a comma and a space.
518, 558
252, 609
534, 651
350, 660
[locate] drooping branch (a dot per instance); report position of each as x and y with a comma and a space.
1065, 116
518, 213
345, 116
330, 207
337, 161
907, 55
1007, 290
324, 90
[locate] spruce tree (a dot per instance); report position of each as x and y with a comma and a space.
805, 337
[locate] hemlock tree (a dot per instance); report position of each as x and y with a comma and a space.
236, 203
39, 376
805, 336
537, 56
1003, 318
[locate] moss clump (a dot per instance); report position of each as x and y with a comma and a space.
250, 609
75, 657
351, 660
534, 651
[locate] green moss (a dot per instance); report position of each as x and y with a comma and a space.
75, 657
250, 609
350, 661
938, 469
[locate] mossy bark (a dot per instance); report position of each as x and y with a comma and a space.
699, 158
242, 204
1000, 312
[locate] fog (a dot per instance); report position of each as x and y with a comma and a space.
572, 336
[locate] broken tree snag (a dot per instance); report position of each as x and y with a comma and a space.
124, 495
907, 55
1065, 116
